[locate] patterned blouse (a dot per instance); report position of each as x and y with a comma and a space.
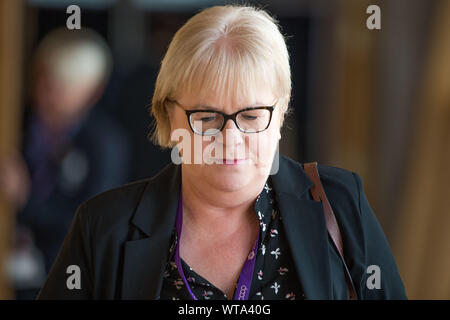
274, 276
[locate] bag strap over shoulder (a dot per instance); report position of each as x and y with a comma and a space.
318, 194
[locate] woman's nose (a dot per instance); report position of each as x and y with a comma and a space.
231, 134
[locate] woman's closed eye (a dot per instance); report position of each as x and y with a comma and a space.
249, 117
208, 119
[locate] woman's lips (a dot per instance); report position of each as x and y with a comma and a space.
231, 161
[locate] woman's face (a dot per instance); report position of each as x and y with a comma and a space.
249, 155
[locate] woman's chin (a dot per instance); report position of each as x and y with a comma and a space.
229, 179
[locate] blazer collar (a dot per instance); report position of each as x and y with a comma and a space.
155, 214
157, 209
145, 258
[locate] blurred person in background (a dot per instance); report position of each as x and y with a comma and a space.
71, 150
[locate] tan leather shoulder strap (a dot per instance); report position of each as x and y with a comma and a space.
318, 194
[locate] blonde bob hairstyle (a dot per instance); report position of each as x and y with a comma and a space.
230, 51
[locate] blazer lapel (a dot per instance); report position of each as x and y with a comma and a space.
145, 257
304, 222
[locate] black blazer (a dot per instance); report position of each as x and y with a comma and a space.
120, 239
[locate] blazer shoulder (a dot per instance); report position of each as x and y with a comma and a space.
336, 181
332, 176
114, 204
339, 182
325, 171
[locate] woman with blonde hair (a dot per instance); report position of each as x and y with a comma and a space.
230, 218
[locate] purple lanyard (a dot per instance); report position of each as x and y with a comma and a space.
245, 279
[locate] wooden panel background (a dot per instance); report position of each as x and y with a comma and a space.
423, 240
11, 35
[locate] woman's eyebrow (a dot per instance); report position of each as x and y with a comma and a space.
207, 107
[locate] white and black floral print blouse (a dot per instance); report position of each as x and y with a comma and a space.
274, 276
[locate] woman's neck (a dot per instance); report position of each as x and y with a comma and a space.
208, 210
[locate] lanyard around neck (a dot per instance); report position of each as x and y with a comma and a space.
245, 279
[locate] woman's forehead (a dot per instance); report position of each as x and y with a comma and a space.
262, 97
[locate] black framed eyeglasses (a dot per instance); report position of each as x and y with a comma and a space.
210, 122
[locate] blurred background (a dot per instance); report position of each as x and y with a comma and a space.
74, 117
